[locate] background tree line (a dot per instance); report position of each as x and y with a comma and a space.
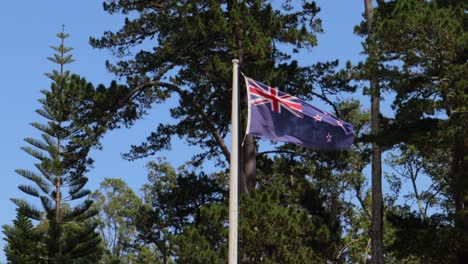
297, 205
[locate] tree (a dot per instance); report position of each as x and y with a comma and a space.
410, 165
194, 43
274, 229
185, 212
23, 242
63, 161
282, 221
186, 52
269, 232
118, 206
423, 49
371, 74
173, 201
310, 184
348, 178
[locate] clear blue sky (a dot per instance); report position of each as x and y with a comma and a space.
29, 28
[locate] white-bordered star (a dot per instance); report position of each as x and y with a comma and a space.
317, 117
329, 137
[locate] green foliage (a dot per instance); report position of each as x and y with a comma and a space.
22, 239
118, 206
82, 242
188, 48
300, 211
274, 233
185, 217
422, 61
172, 203
410, 165
270, 232
428, 46
62, 156
192, 44
430, 240
205, 242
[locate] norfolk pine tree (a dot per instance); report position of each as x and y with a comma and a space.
59, 180
23, 242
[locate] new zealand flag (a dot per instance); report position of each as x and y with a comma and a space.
282, 117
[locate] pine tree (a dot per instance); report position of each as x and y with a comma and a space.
62, 153
376, 228
23, 242
421, 48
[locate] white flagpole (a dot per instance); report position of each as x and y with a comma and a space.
234, 162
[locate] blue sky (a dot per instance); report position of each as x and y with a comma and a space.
28, 29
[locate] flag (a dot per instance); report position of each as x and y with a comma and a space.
282, 117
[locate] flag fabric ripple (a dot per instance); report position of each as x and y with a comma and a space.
282, 117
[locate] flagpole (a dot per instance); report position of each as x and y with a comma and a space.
234, 163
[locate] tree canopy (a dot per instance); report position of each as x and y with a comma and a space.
297, 205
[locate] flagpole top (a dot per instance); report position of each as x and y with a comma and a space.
235, 61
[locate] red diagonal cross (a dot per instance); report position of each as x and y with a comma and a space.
277, 101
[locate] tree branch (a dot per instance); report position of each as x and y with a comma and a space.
328, 101
279, 151
142, 87
345, 247
361, 201
185, 96
206, 118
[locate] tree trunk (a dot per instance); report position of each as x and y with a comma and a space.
248, 168
377, 199
248, 162
459, 165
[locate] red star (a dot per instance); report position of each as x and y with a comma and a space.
329, 137
317, 117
